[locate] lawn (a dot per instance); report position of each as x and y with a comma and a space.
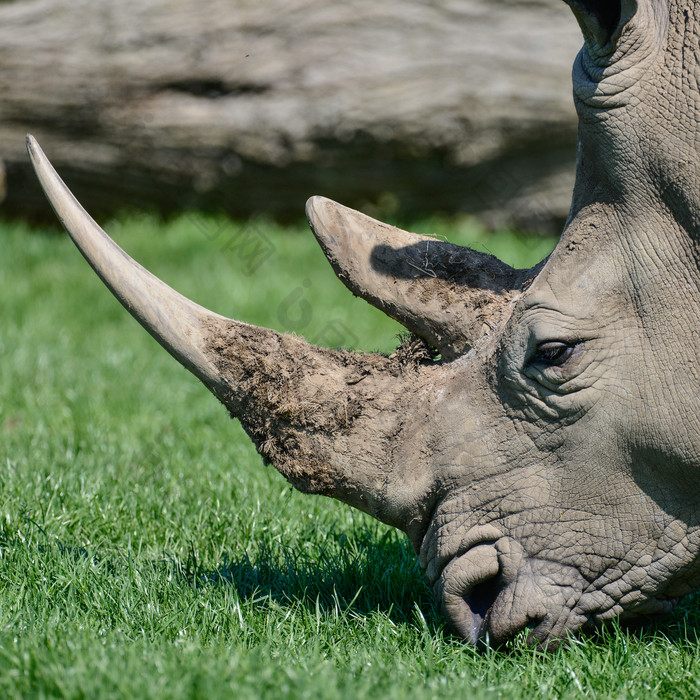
145, 551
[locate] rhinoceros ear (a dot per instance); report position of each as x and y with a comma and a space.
601, 20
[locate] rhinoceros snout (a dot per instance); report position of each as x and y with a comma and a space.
494, 590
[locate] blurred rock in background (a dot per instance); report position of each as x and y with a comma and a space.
399, 107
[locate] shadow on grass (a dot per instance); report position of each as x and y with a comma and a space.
362, 573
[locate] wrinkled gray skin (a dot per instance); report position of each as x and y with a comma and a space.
547, 469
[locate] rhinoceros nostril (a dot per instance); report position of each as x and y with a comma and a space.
468, 587
481, 598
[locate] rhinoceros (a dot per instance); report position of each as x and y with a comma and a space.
542, 454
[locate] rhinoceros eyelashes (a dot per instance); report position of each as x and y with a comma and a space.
553, 353
554, 363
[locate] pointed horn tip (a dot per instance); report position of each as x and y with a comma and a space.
37, 157
318, 213
335, 224
33, 148
318, 203
311, 203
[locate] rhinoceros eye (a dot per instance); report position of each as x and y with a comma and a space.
553, 353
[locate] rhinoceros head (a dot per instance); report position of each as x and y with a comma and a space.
546, 466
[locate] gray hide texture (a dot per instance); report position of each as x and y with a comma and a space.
546, 468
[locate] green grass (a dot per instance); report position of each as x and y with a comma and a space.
146, 552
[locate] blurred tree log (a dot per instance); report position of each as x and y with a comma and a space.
252, 105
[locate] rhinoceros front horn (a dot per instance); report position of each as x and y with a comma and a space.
328, 420
178, 324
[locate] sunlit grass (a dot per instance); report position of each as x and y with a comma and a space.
147, 552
